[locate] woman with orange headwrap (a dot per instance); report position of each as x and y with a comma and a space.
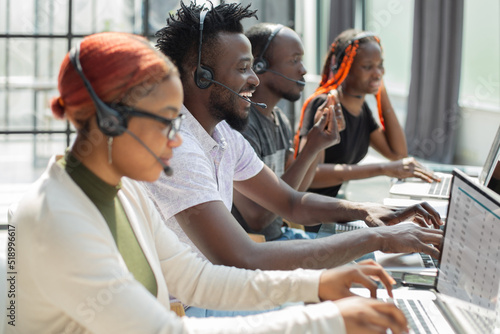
354, 68
89, 252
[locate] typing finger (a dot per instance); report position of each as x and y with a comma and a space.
429, 249
422, 175
425, 211
419, 220
390, 317
379, 273
433, 214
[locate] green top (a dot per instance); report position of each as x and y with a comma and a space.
105, 198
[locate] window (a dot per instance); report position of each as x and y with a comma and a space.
480, 82
392, 21
34, 37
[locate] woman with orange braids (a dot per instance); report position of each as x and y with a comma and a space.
354, 68
90, 251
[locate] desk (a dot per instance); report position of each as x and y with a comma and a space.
374, 190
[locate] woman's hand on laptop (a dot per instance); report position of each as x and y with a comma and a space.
366, 315
336, 283
422, 214
409, 167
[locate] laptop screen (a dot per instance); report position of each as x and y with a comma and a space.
491, 160
470, 259
494, 181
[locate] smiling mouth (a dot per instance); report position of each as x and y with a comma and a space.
247, 95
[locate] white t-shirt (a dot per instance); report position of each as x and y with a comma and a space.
204, 170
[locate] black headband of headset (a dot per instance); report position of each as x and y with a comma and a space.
357, 37
269, 39
109, 120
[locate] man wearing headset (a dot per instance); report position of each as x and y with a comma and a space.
215, 63
278, 53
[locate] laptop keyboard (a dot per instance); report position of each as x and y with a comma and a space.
352, 226
418, 319
429, 261
480, 323
441, 188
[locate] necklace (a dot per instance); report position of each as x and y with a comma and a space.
342, 91
356, 96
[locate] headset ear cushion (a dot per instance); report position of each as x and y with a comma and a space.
260, 65
111, 124
201, 73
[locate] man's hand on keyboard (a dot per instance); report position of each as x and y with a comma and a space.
336, 283
410, 238
422, 214
366, 315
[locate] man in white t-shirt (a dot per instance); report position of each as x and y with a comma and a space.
196, 200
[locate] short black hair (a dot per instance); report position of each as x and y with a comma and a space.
179, 39
258, 36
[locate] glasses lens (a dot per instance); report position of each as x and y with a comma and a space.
174, 127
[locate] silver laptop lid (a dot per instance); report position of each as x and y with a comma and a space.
491, 160
470, 259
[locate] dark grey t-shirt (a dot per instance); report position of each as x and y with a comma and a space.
272, 141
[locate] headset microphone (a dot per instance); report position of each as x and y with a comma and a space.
204, 76
166, 169
110, 122
298, 82
262, 105
261, 65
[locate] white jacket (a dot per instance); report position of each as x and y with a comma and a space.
70, 277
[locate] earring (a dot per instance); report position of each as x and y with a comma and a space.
110, 150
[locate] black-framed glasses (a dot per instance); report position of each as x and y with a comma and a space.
172, 125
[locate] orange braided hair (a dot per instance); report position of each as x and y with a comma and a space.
326, 85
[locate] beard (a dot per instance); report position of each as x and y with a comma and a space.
290, 96
223, 105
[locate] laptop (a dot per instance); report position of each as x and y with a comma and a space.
466, 289
417, 189
494, 180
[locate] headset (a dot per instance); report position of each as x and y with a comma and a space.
260, 64
357, 37
110, 122
204, 76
